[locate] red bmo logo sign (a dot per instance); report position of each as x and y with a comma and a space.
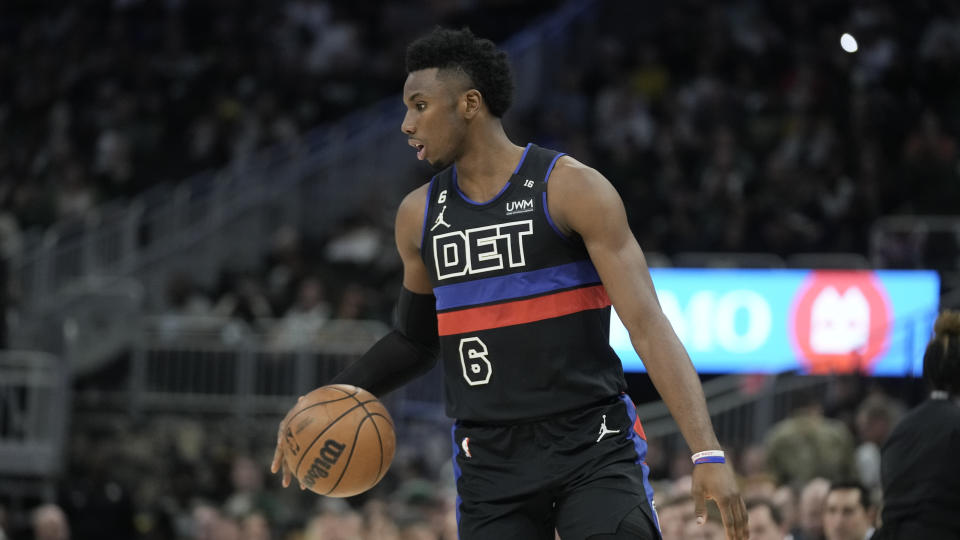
840, 322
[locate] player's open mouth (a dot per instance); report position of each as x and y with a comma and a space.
420, 149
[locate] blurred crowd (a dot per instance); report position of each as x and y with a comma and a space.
814, 476
744, 126
734, 126
102, 99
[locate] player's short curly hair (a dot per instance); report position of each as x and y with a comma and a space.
481, 61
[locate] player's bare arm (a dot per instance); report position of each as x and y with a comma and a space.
408, 232
582, 201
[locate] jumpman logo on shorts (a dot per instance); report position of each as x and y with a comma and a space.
604, 430
440, 220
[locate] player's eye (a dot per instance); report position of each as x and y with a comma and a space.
421, 106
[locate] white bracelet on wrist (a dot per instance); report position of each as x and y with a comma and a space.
708, 456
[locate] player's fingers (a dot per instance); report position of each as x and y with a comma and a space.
700, 506
741, 516
734, 516
277, 460
726, 515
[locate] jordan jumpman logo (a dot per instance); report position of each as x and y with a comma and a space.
440, 220
604, 430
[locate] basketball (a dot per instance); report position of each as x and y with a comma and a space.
338, 440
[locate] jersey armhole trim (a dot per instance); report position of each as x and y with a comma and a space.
546, 208
426, 212
523, 158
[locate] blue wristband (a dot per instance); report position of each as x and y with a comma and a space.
709, 456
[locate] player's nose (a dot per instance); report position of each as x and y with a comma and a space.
408, 126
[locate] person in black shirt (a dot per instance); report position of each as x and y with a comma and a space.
918, 463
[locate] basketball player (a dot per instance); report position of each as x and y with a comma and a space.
512, 256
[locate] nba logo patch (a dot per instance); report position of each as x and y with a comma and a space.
465, 444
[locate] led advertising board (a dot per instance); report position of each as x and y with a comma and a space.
809, 321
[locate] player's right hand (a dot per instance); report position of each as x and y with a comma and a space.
279, 464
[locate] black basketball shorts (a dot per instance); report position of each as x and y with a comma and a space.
580, 473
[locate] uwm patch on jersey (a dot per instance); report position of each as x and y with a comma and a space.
522, 315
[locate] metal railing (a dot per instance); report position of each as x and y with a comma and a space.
916, 242
218, 366
34, 396
741, 409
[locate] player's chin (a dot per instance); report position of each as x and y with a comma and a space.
438, 164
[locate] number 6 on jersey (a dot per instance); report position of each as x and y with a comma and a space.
473, 358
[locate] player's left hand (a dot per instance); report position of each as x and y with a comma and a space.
716, 481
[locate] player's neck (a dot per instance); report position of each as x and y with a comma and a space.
488, 162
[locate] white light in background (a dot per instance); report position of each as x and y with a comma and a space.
849, 43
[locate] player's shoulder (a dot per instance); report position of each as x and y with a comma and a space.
577, 192
573, 181
414, 203
410, 216
572, 174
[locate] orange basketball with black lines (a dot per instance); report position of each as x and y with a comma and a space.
338, 440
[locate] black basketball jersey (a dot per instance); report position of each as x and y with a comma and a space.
524, 320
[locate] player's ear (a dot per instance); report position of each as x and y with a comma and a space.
472, 101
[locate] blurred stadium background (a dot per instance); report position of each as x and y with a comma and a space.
196, 208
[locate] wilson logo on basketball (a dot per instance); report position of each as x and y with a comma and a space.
320, 468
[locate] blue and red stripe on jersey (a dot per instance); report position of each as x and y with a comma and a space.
563, 290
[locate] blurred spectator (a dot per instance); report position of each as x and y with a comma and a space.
355, 302
921, 485
379, 522
876, 416
50, 523
785, 501
765, 521
758, 485
417, 530
242, 298
808, 444
255, 526
336, 521
184, 296
209, 523
249, 497
848, 512
673, 514
301, 324
753, 460
812, 499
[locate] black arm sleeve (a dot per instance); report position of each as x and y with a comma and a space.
404, 354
